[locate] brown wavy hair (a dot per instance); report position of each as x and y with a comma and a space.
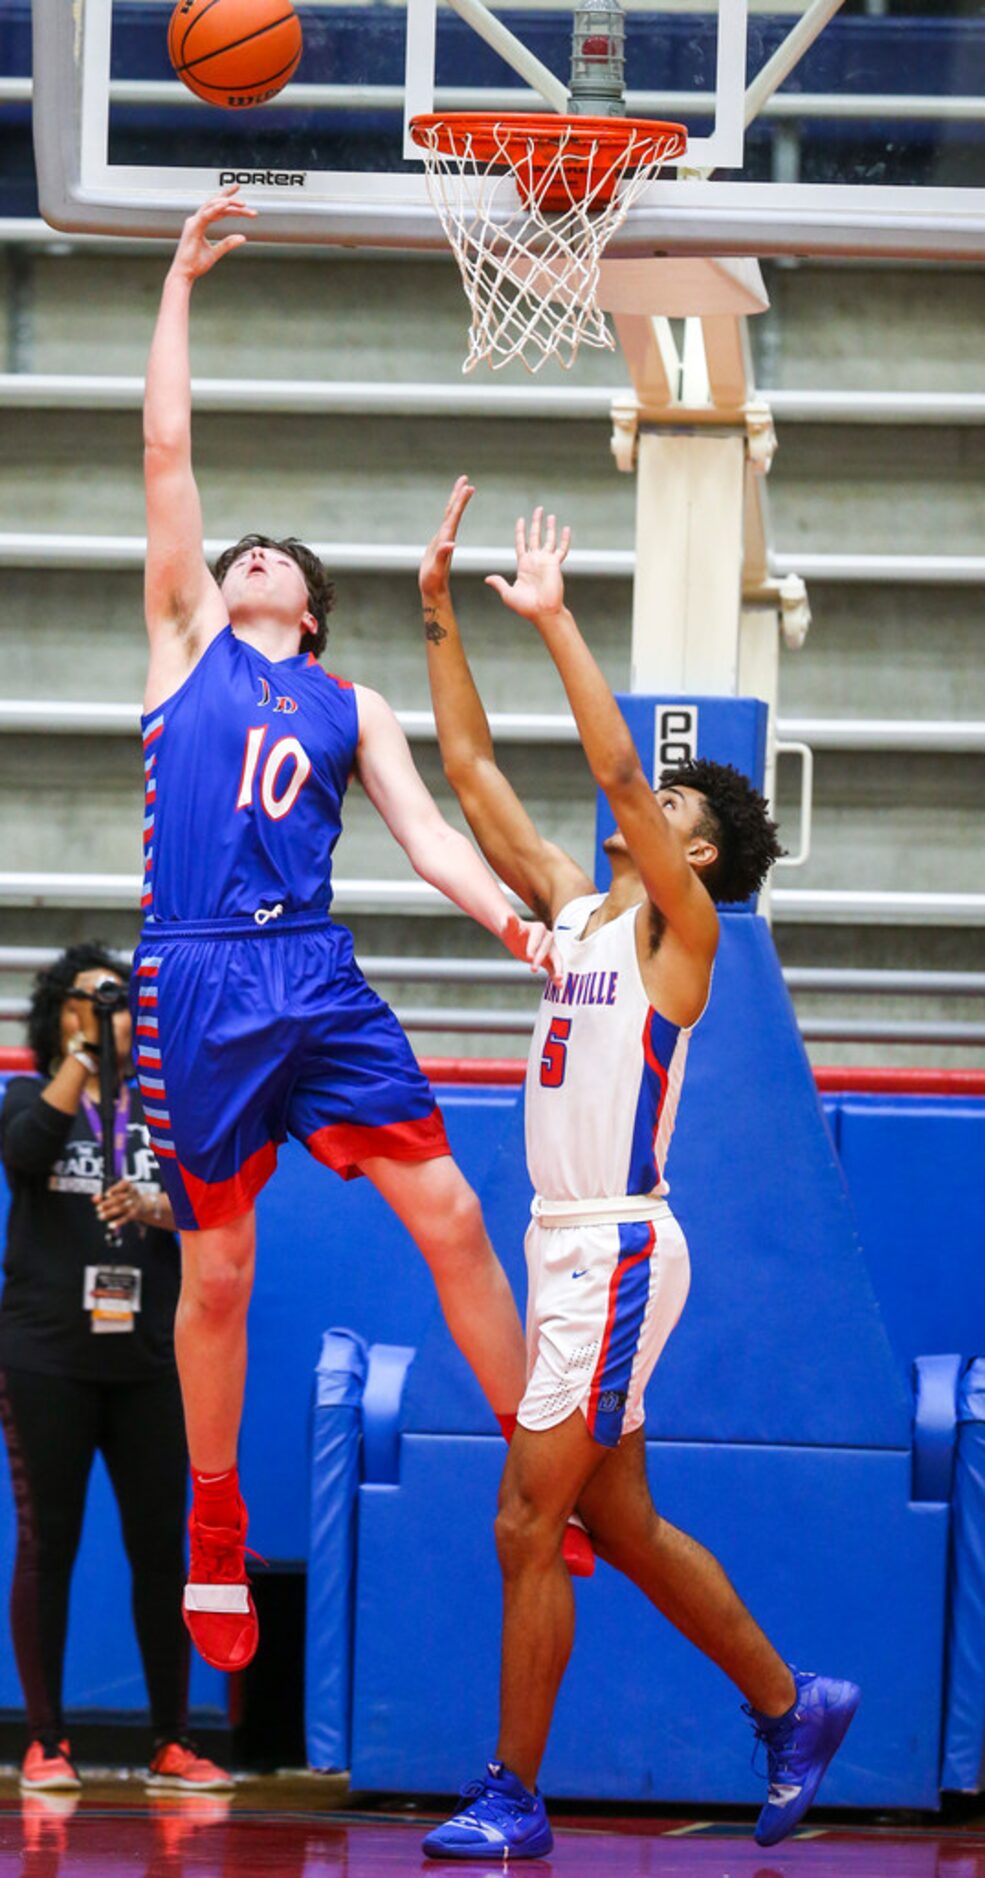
321, 587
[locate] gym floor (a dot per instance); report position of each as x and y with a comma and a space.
303, 1827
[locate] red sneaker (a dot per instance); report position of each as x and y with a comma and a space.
577, 1551
49, 1769
218, 1609
178, 1767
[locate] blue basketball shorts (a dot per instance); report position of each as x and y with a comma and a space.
245, 1036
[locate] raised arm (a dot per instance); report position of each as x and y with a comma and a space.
436, 851
670, 882
543, 876
182, 603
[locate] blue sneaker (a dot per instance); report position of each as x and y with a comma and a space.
799, 1746
502, 1819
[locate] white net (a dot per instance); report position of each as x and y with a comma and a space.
529, 229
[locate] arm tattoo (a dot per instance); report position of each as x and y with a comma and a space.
433, 628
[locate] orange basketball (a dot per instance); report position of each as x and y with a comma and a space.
234, 52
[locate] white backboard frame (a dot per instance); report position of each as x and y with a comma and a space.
721, 149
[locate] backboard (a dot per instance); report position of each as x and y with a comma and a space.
865, 136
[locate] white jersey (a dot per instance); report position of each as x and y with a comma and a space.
605, 1069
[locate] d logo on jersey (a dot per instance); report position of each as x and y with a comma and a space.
286, 705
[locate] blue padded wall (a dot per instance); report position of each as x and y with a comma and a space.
916, 1169
782, 1339
102, 1664
824, 1544
329, 1251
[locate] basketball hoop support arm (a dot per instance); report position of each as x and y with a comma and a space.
709, 617
513, 52
788, 54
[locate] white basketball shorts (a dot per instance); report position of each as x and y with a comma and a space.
603, 1298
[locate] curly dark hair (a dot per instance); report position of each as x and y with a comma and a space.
736, 819
321, 588
44, 1032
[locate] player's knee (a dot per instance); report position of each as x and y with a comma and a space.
218, 1288
527, 1535
456, 1233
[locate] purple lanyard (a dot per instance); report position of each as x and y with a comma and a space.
119, 1127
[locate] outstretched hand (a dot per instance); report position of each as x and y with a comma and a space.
532, 943
538, 588
435, 567
195, 253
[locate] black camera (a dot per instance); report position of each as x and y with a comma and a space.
110, 996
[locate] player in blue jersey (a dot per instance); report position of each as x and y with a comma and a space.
252, 1020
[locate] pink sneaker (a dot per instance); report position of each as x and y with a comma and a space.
219, 1611
49, 1769
178, 1768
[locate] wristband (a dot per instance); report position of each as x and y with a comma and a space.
83, 1052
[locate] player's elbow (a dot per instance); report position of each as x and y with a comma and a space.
461, 765
167, 447
620, 774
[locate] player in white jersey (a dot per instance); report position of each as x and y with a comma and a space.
607, 1262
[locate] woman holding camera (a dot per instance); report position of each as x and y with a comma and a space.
87, 1362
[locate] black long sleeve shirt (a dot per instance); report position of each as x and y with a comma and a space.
54, 1166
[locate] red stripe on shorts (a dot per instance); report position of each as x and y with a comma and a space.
217, 1202
344, 1146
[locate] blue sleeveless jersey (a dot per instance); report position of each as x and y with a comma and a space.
246, 767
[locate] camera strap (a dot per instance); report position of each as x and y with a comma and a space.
119, 1127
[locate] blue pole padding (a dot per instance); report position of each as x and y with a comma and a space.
674, 730
340, 1377
963, 1770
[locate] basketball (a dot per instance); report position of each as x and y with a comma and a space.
234, 53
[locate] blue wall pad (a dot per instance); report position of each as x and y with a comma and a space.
916, 1170
330, 1252
964, 1738
781, 1339
823, 1544
102, 1663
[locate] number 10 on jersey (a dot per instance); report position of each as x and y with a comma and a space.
285, 750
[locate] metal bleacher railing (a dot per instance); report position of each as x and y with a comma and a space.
382, 968
790, 106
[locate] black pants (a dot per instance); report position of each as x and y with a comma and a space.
53, 1427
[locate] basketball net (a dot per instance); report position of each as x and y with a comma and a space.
529, 204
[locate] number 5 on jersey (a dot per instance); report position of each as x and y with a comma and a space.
285, 750
554, 1060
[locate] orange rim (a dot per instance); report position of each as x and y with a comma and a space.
556, 161
507, 139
